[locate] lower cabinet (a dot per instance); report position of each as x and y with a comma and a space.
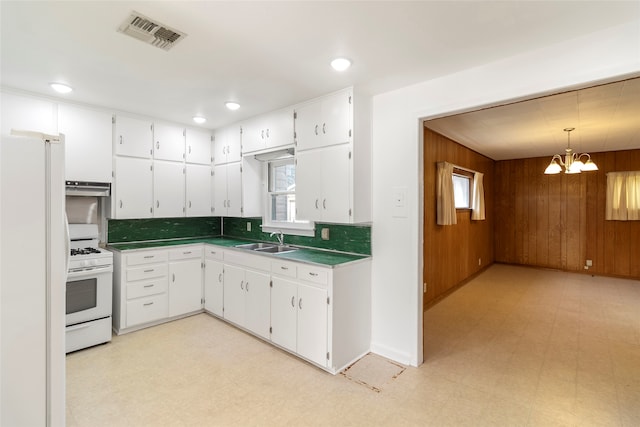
213, 280
185, 280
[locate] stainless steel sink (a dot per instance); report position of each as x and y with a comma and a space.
267, 248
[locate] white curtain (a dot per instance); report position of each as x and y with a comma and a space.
623, 196
445, 199
477, 203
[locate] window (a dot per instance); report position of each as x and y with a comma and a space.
461, 191
623, 196
280, 201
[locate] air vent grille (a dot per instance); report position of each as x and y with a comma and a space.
151, 32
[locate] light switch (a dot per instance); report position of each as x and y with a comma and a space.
399, 202
324, 234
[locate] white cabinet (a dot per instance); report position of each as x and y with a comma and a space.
133, 137
168, 142
213, 280
27, 113
268, 131
198, 147
323, 187
324, 121
247, 292
227, 145
168, 189
132, 190
140, 291
237, 189
185, 280
198, 190
88, 143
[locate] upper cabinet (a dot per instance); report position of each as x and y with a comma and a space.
268, 131
198, 147
132, 195
325, 121
226, 145
133, 137
168, 142
88, 143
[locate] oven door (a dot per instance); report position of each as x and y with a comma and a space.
88, 294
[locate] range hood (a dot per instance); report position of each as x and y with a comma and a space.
284, 153
81, 188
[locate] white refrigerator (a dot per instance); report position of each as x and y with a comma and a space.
33, 257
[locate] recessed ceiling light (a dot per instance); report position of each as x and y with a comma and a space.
199, 120
61, 87
340, 64
232, 105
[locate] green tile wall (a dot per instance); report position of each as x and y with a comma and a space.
345, 238
138, 230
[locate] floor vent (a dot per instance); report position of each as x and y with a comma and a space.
151, 32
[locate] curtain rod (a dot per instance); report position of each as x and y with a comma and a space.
460, 167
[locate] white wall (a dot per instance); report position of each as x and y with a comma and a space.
397, 159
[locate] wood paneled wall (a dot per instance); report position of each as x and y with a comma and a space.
557, 221
451, 252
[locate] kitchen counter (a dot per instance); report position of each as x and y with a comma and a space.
319, 257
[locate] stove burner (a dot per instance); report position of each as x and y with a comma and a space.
85, 251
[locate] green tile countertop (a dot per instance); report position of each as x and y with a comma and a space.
307, 255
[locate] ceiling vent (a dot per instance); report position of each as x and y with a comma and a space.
151, 32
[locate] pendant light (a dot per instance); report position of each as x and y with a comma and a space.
572, 161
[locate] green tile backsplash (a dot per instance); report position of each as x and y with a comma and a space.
345, 238
138, 230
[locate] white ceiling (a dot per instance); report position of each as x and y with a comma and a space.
268, 55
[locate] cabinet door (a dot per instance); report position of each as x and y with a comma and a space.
279, 128
133, 137
220, 146
312, 323
308, 185
336, 184
257, 303
168, 188
133, 188
234, 189
254, 135
213, 286
198, 147
284, 296
336, 119
88, 143
234, 144
220, 190
198, 181
185, 286
234, 294
308, 126
168, 142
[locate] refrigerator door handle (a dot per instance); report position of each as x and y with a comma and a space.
67, 245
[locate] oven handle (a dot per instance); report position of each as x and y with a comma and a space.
89, 271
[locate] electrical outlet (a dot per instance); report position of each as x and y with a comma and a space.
479, 261
324, 234
589, 263
248, 226
424, 287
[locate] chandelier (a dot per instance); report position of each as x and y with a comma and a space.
572, 161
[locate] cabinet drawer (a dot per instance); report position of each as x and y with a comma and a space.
147, 258
313, 274
146, 272
147, 309
284, 268
185, 253
147, 287
213, 253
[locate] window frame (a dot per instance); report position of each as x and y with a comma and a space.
469, 177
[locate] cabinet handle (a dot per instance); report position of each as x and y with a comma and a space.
189, 149
324, 126
262, 134
228, 203
157, 145
316, 130
267, 133
228, 149
324, 203
220, 277
313, 274
149, 286
224, 203
150, 271
147, 304
120, 139
242, 285
173, 277
283, 267
246, 286
317, 203
292, 303
149, 256
120, 204
186, 253
157, 203
300, 303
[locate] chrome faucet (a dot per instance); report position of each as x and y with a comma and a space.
280, 236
